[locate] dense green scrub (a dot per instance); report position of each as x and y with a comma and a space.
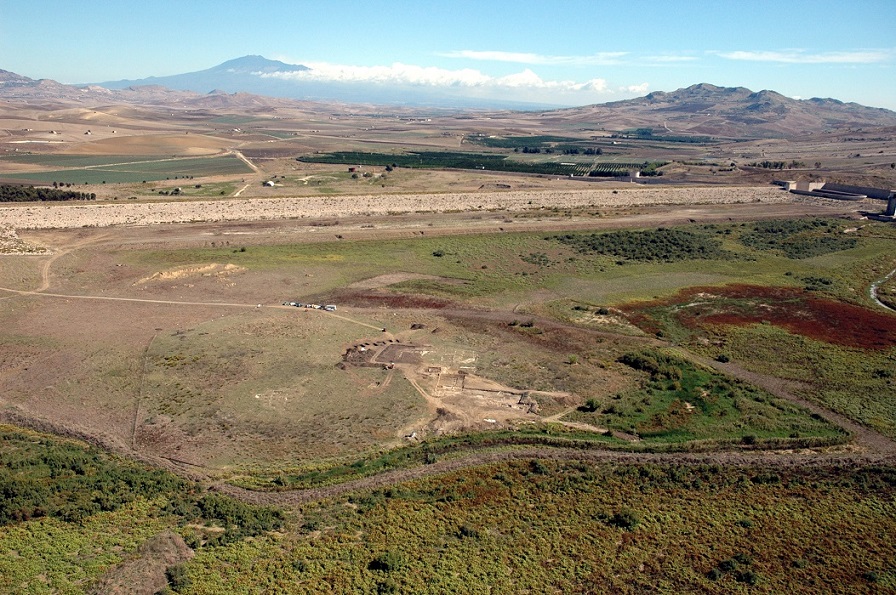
574, 528
505, 528
666, 245
858, 383
680, 401
68, 512
800, 238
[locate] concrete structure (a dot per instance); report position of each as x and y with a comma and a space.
835, 191
792, 186
891, 205
868, 191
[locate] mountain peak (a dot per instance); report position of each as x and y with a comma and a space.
254, 63
11, 77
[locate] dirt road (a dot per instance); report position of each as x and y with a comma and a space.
475, 459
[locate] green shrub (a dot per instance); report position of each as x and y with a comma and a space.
626, 519
178, 579
387, 562
590, 406
663, 245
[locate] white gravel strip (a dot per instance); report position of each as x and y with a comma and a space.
80, 214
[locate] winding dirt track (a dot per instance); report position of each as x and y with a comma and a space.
739, 459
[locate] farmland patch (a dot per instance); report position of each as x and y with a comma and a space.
98, 170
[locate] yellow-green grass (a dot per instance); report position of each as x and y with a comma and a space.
505, 269
858, 383
265, 390
54, 556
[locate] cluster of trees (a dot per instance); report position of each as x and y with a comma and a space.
51, 478
587, 151
652, 168
799, 238
14, 193
766, 164
566, 150
439, 159
665, 245
648, 134
68, 482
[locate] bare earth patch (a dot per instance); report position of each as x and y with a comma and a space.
219, 271
145, 574
393, 278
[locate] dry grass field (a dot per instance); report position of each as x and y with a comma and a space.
171, 342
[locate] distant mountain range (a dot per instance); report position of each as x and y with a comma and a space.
241, 75
701, 110
256, 74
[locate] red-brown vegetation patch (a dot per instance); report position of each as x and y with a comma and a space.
796, 310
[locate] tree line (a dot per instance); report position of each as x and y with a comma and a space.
16, 193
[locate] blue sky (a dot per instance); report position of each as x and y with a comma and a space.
568, 52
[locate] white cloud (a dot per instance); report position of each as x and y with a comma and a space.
598, 59
396, 73
639, 89
804, 57
430, 76
670, 59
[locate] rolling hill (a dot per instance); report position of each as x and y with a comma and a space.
726, 112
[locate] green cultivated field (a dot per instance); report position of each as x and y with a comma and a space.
114, 170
